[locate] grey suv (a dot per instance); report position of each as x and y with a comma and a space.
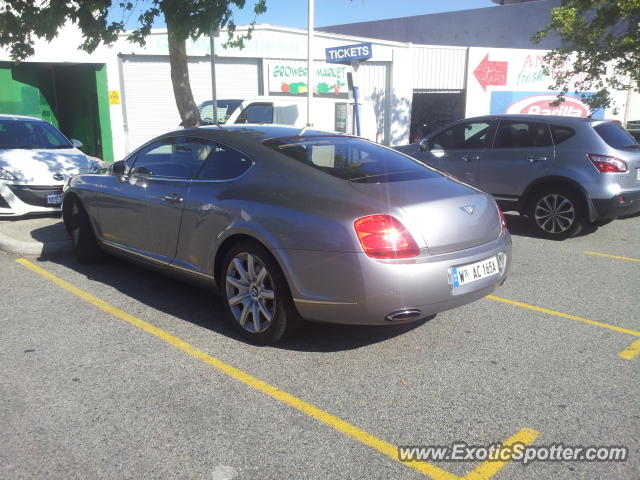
561, 172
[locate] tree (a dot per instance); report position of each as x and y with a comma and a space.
600, 48
21, 21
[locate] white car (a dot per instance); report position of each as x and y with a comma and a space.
35, 161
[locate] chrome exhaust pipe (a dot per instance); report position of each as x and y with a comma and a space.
406, 314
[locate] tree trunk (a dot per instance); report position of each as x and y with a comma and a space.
180, 78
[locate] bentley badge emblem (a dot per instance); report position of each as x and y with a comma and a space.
468, 209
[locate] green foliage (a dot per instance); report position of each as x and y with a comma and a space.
22, 21
601, 48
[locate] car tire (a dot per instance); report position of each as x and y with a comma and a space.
85, 245
255, 293
557, 213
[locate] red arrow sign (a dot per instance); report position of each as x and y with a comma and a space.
491, 73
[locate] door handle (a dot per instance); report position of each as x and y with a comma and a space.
173, 198
536, 158
468, 158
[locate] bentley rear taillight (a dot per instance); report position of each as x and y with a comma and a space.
383, 236
503, 222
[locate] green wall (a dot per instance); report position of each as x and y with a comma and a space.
104, 114
73, 97
27, 89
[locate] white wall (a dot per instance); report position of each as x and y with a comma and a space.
268, 42
64, 49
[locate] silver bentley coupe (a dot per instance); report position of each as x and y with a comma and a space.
289, 224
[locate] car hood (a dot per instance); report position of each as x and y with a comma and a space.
38, 166
449, 215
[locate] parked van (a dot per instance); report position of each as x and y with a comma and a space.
328, 113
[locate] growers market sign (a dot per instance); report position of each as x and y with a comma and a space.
290, 78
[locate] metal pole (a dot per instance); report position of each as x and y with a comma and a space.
356, 109
310, 76
355, 66
627, 107
214, 99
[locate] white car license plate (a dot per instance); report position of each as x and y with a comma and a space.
54, 199
637, 173
474, 271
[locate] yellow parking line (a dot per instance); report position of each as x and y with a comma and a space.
565, 315
631, 351
489, 468
336, 423
629, 259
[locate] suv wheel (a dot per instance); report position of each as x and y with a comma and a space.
256, 296
557, 213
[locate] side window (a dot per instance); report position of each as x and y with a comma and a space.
468, 135
518, 134
172, 157
560, 134
257, 113
224, 163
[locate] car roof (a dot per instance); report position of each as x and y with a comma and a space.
19, 118
244, 135
547, 118
260, 132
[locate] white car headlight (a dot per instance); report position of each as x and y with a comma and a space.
4, 175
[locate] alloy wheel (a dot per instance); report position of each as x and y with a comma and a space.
250, 292
554, 213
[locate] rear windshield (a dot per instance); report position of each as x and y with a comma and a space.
614, 135
352, 159
225, 109
30, 134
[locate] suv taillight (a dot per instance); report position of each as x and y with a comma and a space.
383, 236
607, 164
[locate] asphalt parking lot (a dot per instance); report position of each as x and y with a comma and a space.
113, 371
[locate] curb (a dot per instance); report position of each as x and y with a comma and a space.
11, 245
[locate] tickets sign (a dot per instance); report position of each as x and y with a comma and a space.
349, 53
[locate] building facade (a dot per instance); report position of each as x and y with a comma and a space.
121, 96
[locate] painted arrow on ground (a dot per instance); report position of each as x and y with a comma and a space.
491, 73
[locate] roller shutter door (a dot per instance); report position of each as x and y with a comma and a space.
149, 104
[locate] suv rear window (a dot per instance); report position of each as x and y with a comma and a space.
614, 135
224, 111
351, 159
560, 134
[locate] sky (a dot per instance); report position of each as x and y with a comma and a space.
293, 13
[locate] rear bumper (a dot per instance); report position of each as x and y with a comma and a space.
352, 288
625, 203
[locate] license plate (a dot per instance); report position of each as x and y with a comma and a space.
474, 271
638, 174
54, 199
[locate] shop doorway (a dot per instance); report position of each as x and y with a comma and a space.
72, 97
432, 109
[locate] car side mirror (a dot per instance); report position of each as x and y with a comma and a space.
76, 143
119, 167
424, 145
